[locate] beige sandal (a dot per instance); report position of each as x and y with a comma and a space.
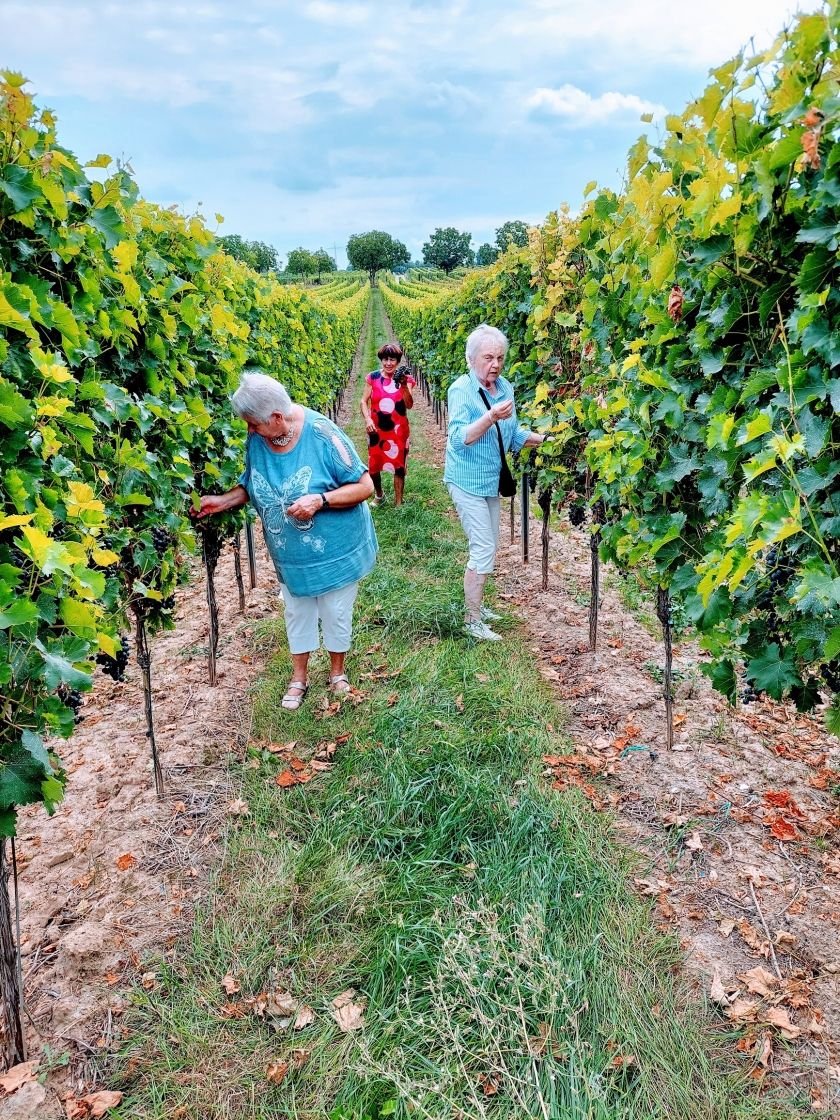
292, 703
339, 684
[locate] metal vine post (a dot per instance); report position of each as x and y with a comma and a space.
663, 612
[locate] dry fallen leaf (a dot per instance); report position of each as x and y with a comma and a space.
675, 303
282, 1008
149, 981
285, 778
459, 702
305, 1016
18, 1075
726, 926
346, 1013
759, 980
238, 808
764, 1050
782, 828
94, 1106
125, 861
488, 1084
694, 842
717, 992
743, 1011
230, 985
299, 1058
276, 1072
778, 1017
621, 1061
752, 937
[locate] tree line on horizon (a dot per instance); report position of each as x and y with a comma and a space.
374, 251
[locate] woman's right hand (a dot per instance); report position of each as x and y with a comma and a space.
502, 411
370, 427
210, 504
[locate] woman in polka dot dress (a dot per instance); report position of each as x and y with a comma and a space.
384, 406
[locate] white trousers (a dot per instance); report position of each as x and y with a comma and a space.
333, 609
480, 521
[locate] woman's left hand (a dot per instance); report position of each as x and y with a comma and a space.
302, 509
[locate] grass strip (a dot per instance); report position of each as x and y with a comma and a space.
484, 920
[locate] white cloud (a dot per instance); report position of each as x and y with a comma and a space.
581, 109
340, 15
698, 35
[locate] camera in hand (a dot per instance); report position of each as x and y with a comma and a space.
400, 374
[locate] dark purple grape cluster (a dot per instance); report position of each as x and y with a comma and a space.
168, 604
831, 675
780, 570
749, 695
577, 514
114, 667
161, 539
72, 698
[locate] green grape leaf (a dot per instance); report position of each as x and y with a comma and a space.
19, 613
772, 673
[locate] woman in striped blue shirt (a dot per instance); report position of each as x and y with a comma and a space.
473, 462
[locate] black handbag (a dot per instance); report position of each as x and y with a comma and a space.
507, 483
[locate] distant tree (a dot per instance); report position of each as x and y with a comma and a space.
486, 254
301, 262
373, 251
234, 246
257, 254
447, 248
323, 262
511, 233
264, 256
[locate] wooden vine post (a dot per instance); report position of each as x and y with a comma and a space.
211, 547
237, 568
544, 501
144, 661
11, 988
663, 612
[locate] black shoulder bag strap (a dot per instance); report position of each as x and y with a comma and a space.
507, 483
495, 424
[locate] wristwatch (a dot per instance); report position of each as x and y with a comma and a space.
325, 504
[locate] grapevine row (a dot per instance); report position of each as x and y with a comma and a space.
678, 341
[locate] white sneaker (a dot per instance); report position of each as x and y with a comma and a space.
490, 616
481, 632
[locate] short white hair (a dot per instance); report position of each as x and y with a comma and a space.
474, 341
259, 396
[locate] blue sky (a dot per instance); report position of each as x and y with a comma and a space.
303, 123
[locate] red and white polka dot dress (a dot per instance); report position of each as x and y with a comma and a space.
389, 443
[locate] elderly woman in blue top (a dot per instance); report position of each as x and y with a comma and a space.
310, 489
473, 462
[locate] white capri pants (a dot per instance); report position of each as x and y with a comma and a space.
480, 521
334, 610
